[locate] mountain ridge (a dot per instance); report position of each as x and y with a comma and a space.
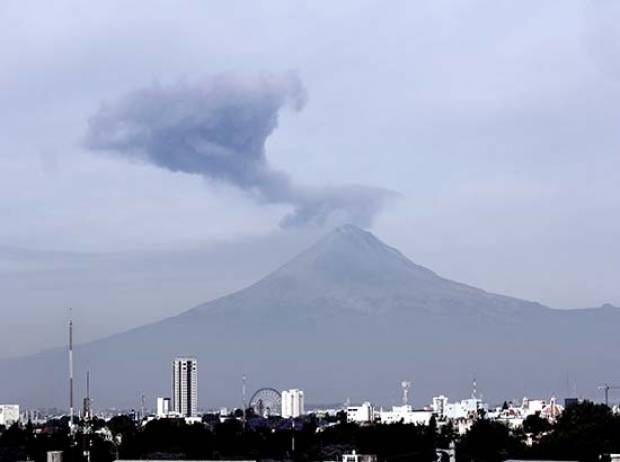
352, 304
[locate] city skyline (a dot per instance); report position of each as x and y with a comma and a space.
293, 231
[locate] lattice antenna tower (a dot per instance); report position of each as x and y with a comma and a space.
406, 386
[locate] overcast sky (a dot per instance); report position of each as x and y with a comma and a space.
481, 138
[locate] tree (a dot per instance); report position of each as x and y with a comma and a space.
173, 438
122, 425
490, 442
584, 431
447, 434
535, 424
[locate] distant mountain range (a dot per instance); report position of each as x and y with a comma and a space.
348, 318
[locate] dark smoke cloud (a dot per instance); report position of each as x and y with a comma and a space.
218, 129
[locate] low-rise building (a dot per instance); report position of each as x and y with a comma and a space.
363, 414
464, 409
461, 414
514, 416
406, 414
163, 407
9, 414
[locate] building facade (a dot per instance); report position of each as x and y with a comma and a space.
363, 414
163, 407
406, 414
185, 387
9, 414
292, 403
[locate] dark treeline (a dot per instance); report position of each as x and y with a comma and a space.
584, 432
170, 438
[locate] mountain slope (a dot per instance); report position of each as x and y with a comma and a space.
349, 317
350, 269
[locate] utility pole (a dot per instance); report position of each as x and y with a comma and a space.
606, 389
292, 436
143, 406
474, 389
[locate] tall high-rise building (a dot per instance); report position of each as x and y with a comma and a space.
185, 386
292, 403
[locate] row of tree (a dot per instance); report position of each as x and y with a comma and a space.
584, 432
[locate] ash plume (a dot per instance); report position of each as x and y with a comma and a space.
217, 129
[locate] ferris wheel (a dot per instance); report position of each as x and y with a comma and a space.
266, 402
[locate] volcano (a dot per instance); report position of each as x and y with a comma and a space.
351, 317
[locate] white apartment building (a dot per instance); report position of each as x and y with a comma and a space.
362, 414
9, 414
163, 407
292, 403
185, 386
439, 406
463, 409
406, 414
461, 413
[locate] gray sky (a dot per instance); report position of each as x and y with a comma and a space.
492, 126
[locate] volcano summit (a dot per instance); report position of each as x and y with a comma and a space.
349, 317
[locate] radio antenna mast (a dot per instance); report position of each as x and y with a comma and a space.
474, 391
70, 373
87, 401
405, 385
243, 397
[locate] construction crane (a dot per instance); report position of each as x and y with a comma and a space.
605, 387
